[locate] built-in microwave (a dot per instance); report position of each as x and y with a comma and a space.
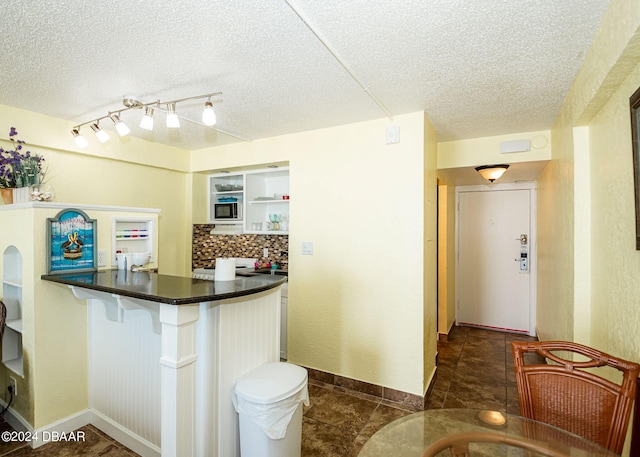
227, 210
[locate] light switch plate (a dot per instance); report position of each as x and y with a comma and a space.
307, 248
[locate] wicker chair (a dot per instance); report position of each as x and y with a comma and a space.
564, 395
458, 444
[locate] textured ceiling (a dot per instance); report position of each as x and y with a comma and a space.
476, 67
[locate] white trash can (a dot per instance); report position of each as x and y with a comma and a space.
269, 402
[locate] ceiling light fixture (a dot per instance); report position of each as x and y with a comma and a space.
209, 115
492, 172
101, 135
81, 141
146, 123
120, 126
172, 118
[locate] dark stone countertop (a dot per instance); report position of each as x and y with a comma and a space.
173, 290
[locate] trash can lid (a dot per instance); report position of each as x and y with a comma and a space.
271, 382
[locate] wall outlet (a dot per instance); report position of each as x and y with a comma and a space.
12, 384
102, 258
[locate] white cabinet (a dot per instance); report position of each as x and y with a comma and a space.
133, 234
12, 355
267, 201
226, 188
263, 196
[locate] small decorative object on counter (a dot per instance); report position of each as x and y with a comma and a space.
42, 193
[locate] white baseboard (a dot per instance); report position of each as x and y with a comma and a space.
67, 425
14, 419
71, 423
126, 437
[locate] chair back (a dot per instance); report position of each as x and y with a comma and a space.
564, 395
458, 444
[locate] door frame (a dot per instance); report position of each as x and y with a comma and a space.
533, 241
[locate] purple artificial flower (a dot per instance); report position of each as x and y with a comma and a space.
19, 168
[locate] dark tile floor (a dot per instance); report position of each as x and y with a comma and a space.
475, 370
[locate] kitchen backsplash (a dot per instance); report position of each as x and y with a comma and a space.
206, 247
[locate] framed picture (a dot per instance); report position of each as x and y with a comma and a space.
71, 242
634, 103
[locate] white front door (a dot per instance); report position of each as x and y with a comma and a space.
493, 286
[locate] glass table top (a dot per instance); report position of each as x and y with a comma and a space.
412, 434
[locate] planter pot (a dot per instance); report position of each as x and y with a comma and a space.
7, 196
21, 195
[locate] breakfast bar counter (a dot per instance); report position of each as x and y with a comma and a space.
172, 290
165, 352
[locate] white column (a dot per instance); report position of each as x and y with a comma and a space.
178, 379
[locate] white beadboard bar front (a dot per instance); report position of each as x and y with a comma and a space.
178, 379
162, 375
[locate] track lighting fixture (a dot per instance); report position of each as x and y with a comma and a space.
81, 141
101, 135
147, 120
120, 126
209, 115
146, 123
172, 118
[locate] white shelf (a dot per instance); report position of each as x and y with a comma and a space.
15, 282
15, 324
268, 202
12, 355
16, 365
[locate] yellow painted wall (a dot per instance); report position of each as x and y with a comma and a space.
356, 306
18, 232
125, 172
430, 256
446, 259
615, 287
592, 213
481, 151
587, 262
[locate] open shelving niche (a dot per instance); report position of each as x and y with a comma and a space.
12, 354
257, 191
132, 234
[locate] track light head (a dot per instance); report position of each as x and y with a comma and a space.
208, 115
172, 118
80, 140
147, 120
120, 126
101, 135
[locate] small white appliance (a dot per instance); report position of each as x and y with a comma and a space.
242, 265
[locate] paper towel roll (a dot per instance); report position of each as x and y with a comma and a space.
225, 270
